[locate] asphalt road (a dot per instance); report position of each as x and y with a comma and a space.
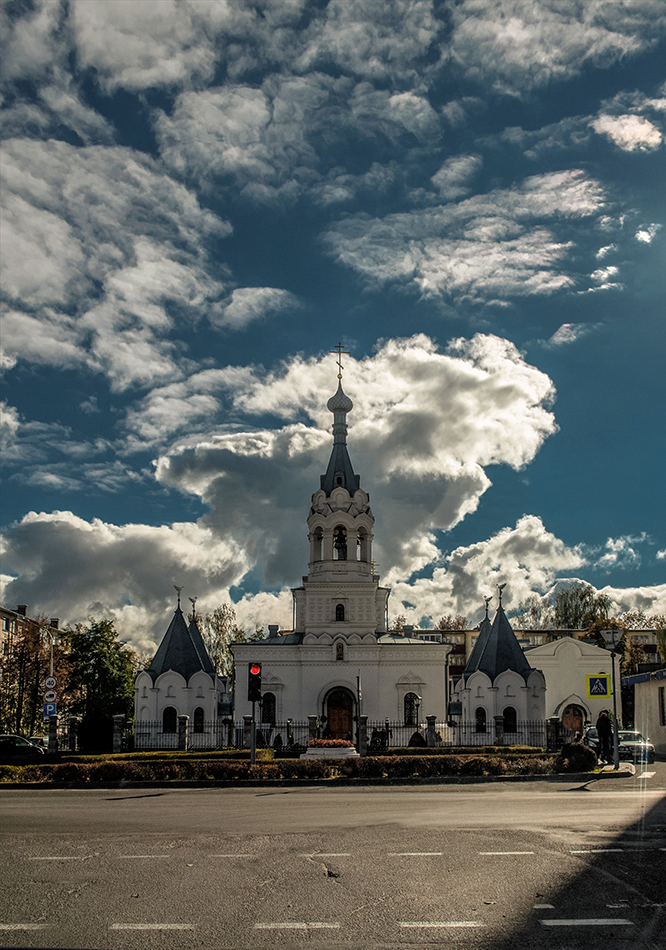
499, 866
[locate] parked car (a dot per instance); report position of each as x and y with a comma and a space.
40, 741
17, 745
591, 738
632, 745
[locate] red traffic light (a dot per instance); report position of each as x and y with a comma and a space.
254, 682
255, 668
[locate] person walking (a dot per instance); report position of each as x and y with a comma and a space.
605, 733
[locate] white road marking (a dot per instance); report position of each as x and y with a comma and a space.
297, 925
23, 926
647, 774
61, 857
127, 857
506, 852
326, 854
598, 851
414, 854
543, 907
231, 855
151, 927
590, 922
441, 923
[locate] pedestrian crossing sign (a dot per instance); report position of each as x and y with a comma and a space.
598, 686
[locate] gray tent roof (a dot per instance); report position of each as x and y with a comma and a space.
497, 650
182, 649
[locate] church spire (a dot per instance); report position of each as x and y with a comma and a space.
340, 472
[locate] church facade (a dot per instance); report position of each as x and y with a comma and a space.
340, 662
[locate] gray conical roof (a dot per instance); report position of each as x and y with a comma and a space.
182, 650
340, 471
497, 650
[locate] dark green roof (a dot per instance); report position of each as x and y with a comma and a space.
181, 650
497, 650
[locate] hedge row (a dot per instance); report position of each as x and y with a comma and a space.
200, 770
503, 750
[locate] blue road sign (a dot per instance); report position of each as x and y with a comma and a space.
50, 709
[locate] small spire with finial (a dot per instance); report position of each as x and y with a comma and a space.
178, 590
340, 350
193, 601
487, 600
500, 588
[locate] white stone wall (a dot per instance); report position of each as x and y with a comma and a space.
646, 713
171, 689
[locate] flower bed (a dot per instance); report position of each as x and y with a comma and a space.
330, 744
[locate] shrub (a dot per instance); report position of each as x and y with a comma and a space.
575, 757
330, 744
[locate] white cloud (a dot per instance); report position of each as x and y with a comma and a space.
453, 180
620, 552
629, 132
248, 304
521, 44
96, 243
570, 332
648, 234
488, 247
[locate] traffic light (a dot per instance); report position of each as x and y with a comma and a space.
254, 683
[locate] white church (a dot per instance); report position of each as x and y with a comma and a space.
340, 662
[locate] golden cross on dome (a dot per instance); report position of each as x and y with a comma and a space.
340, 350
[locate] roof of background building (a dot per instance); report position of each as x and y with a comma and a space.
497, 650
182, 650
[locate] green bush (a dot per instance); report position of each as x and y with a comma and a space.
575, 757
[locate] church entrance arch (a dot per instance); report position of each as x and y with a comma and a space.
339, 711
573, 719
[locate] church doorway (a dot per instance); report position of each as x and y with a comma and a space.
573, 719
339, 712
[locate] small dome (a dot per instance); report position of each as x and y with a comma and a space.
340, 402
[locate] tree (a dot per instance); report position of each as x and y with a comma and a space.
577, 606
448, 622
100, 683
661, 644
534, 613
219, 630
398, 625
23, 668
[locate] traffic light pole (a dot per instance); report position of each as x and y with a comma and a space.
253, 737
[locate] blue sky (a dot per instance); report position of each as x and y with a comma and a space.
200, 199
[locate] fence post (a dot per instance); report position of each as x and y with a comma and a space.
551, 733
118, 723
312, 727
247, 732
363, 735
499, 730
430, 735
182, 733
72, 733
53, 734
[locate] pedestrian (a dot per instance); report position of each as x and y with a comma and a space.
605, 733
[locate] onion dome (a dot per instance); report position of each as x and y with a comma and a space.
340, 402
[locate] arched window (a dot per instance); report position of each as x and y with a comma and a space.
510, 719
339, 650
198, 719
339, 612
340, 544
363, 545
411, 709
480, 716
169, 719
317, 544
268, 708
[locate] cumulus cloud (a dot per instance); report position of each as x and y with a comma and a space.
570, 332
453, 180
428, 423
115, 570
99, 247
487, 247
248, 304
629, 132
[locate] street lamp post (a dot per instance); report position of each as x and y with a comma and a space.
616, 745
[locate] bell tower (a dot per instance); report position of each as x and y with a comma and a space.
341, 593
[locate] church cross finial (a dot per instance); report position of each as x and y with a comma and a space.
340, 350
178, 590
487, 600
193, 601
500, 588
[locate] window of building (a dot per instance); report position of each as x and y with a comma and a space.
339, 650
411, 709
317, 544
480, 717
339, 612
510, 719
169, 719
199, 719
268, 708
